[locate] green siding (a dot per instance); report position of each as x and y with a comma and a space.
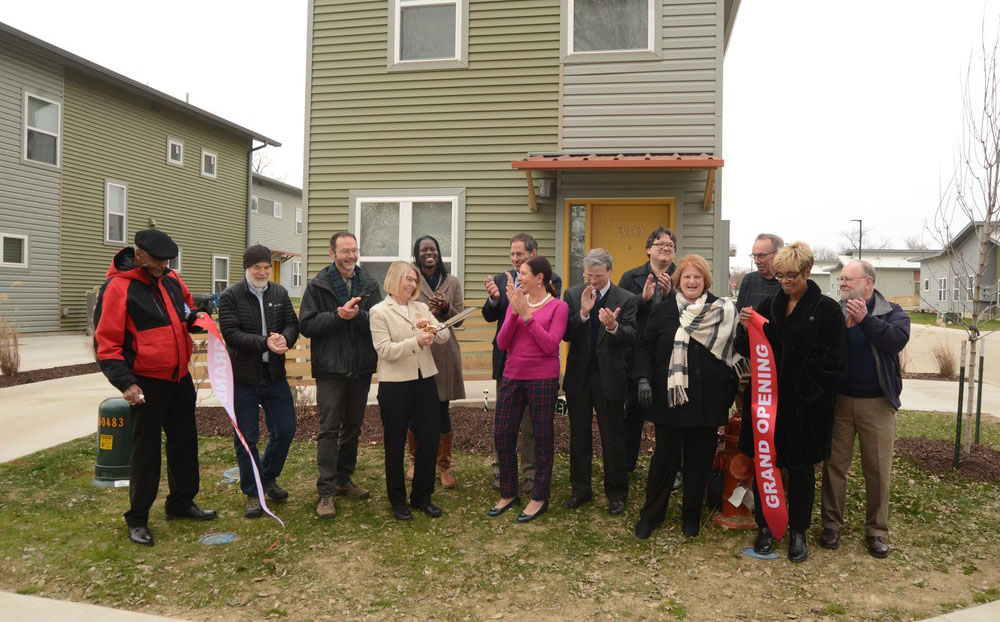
374, 129
111, 135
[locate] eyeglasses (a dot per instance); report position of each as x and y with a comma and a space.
664, 245
348, 251
790, 276
761, 256
845, 279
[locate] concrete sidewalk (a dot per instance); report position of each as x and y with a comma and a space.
36, 609
44, 351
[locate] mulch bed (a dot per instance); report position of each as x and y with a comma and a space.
924, 375
473, 429
50, 373
935, 456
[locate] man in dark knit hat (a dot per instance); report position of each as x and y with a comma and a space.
143, 316
259, 326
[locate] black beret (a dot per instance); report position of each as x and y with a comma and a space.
156, 243
256, 254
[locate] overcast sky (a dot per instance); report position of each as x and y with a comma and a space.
833, 111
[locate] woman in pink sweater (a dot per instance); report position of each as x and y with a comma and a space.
531, 333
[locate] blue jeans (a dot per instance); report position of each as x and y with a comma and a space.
279, 416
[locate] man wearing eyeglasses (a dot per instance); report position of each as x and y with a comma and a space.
651, 282
760, 285
867, 400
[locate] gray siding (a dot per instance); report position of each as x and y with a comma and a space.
965, 262
29, 194
670, 104
279, 233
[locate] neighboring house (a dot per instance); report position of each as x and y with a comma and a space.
87, 158
897, 275
584, 122
820, 273
278, 221
946, 276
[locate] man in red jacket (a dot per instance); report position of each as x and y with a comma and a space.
143, 315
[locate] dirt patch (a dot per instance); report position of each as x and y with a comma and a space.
936, 457
926, 376
473, 429
49, 373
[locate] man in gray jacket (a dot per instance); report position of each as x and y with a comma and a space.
334, 314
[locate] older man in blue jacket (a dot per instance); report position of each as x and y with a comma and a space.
867, 400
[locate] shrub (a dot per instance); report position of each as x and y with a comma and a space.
10, 354
947, 362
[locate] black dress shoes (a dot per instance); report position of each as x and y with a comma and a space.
141, 535
497, 511
829, 539
574, 501
877, 547
193, 511
797, 551
643, 528
427, 508
616, 507
764, 543
524, 518
401, 512
690, 529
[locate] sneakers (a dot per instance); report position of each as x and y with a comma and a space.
275, 492
325, 508
252, 509
351, 491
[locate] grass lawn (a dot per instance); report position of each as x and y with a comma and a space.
930, 319
60, 537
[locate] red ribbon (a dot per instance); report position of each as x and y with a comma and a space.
764, 411
220, 375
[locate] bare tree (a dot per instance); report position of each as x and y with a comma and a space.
869, 240
824, 253
915, 242
971, 198
263, 164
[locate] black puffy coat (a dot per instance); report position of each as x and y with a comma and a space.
808, 350
711, 383
239, 322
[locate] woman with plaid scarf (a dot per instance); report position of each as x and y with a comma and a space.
685, 363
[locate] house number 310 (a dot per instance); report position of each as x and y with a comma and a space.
630, 231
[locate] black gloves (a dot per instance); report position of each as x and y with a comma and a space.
645, 393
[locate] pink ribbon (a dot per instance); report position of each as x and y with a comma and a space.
764, 411
220, 375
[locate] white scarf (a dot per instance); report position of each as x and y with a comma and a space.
713, 326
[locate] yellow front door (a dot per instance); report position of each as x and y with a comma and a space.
619, 226
275, 269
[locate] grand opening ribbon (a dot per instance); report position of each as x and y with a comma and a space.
764, 409
220, 375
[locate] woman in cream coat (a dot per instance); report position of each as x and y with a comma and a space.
402, 333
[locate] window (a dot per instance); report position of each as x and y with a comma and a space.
115, 212
175, 263
971, 287
942, 290
296, 274
610, 26
955, 289
209, 164
428, 34
927, 285
13, 250
298, 220
175, 152
220, 273
254, 205
42, 121
387, 227
277, 209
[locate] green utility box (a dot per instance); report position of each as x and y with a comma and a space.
114, 443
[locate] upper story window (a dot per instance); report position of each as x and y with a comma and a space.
42, 129
115, 212
209, 164
298, 220
428, 34
254, 204
611, 25
277, 210
175, 152
13, 250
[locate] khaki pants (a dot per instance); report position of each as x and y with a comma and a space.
873, 421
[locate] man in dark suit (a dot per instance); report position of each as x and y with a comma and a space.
600, 331
651, 282
522, 248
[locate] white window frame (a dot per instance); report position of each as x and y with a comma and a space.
175, 260
170, 143
215, 159
406, 225
24, 247
971, 287
278, 210
461, 58
653, 38
254, 205
215, 277
927, 285
108, 183
296, 273
298, 220
25, 128
943, 289
956, 288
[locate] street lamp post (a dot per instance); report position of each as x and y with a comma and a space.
860, 233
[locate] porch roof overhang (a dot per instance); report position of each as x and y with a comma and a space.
284, 256
620, 161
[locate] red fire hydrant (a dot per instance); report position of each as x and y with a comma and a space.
738, 470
